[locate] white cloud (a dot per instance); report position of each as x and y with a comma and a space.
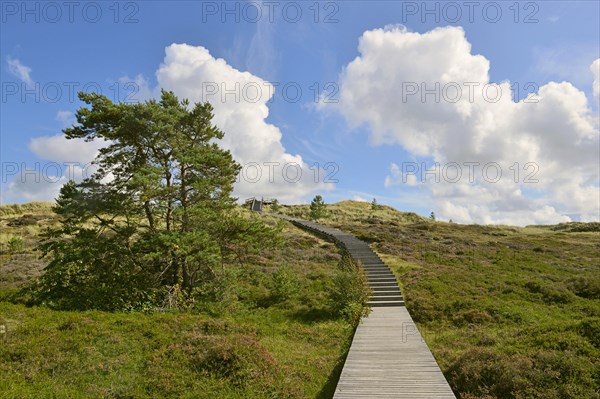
192, 72
60, 149
65, 160
556, 130
21, 71
398, 178
262, 58
66, 118
44, 180
359, 199
34, 185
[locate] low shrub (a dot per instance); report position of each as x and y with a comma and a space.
284, 284
239, 358
350, 291
15, 244
471, 316
590, 329
555, 293
486, 372
585, 286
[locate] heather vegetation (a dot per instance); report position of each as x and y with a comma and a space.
508, 312
279, 328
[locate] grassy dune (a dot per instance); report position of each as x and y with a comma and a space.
508, 312
275, 334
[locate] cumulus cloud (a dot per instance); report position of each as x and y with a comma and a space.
59, 149
240, 107
398, 177
21, 71
428, 93
62, 160
41, 183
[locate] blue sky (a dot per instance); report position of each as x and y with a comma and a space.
109, 45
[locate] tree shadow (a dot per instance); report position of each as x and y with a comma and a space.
329, 388
309, 315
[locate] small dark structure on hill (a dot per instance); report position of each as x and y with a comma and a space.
256, 204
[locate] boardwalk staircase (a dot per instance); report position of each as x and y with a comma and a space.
380, 278
388, 357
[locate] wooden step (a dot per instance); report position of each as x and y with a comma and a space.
381, 279
380, 275
378, 269
387, 293
377, 297
387, 285
377, 284
384, 289
375, 304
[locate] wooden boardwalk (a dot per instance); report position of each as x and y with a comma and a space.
388, 357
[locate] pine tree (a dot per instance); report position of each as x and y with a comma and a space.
317, 208
165, 216
275, 206
374, 205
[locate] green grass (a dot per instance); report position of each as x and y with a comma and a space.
507, 312
275, 334
46, 353
43, 208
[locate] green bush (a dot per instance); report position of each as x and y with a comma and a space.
284, 283
15, 244
487, 372
577, 227
590, 329
275, 207
585, 286
350, 291
471, 316
550, 293
239, 358
353, 312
